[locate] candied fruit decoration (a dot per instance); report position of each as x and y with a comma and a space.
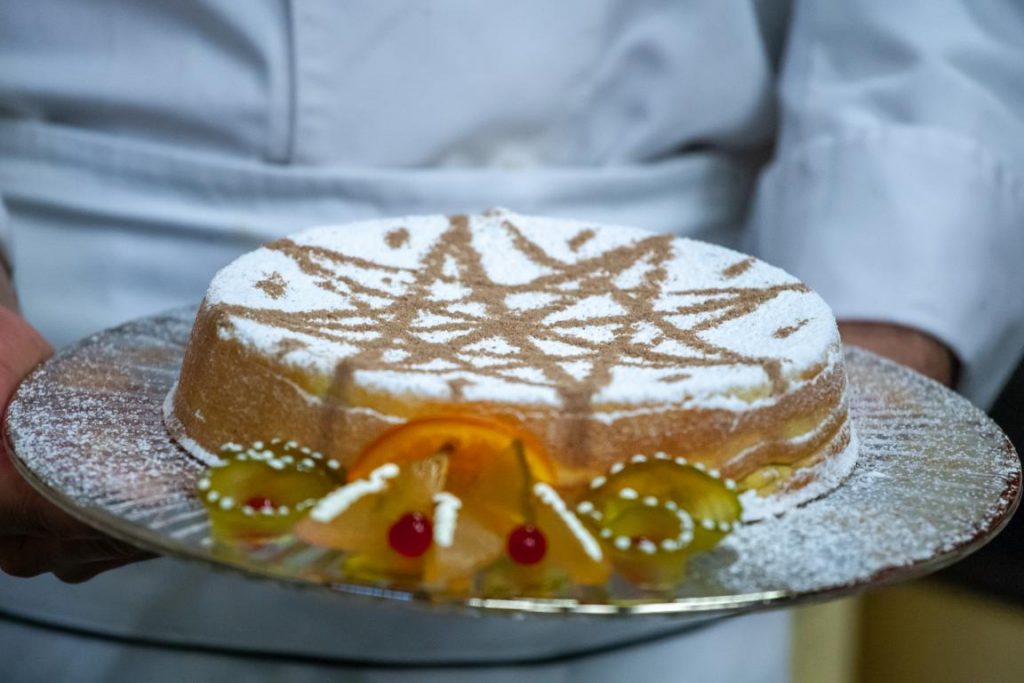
383, 520
653, 513
258, 503
526, 545
471, 443
545, 544
411, 535
479, 491
260, 492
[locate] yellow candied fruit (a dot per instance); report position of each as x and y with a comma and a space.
652, 513
451, 500
259, 492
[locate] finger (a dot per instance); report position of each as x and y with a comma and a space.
21, 349
24, 511
19, 557
84, 572
25, 557
102, 549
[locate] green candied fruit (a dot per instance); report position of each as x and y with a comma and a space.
652, 513
261, 492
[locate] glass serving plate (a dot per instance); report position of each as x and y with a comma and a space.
935, 480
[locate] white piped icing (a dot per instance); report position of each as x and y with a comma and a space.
550, 497
343, 498
446, 513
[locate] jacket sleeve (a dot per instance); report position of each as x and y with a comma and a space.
897, 189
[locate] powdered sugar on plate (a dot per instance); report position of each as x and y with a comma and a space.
935, 478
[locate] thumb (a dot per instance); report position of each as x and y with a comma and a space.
21, 349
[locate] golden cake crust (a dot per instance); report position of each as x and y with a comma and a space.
777, 424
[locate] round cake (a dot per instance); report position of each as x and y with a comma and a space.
599, 342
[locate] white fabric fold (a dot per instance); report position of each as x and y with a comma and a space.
897, 189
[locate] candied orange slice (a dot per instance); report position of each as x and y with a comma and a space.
259, 492
472, 444
653, 513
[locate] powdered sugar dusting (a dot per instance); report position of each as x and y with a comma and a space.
594, 320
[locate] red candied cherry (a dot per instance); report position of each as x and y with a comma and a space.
411, 535
260, 503
527, 545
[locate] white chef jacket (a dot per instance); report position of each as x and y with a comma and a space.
144, 144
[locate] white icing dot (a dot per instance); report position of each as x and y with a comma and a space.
669, 545
650, 501
730, 484
646, 546
638, 458
724, 526
699, 466
212, 496
276, 439
680, 461
606, 532
685, 536
622, 542
714, 473
226, 503
661, 455
203, 484
708, 523
597, 482
283, 510
671, 505
628, 494
258, 445
616, 468
585, 507
332, 464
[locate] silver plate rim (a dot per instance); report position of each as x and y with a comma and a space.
151, 541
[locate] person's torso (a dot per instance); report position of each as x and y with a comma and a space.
394, 84
145, 144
